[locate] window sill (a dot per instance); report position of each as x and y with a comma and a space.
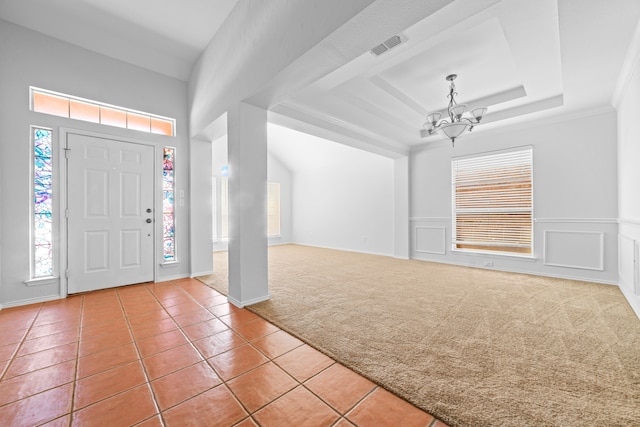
170, 264
41, 281
522, 257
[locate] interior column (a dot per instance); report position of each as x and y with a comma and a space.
247, 155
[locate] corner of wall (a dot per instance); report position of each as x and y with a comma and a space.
628, 69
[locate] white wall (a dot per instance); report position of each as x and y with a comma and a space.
629, 188
30, 58
575, 197
345, 201
219, 159
201, 206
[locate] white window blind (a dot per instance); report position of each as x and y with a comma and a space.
273, 209
224, 208
493, 202
214, 216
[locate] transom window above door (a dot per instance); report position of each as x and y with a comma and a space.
73, 107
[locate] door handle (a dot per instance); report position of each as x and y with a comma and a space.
148, 210
148, 220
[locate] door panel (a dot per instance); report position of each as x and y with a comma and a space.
110, 187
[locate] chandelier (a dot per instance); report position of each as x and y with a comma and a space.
458, 122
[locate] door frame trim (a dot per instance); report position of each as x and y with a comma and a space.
64, 132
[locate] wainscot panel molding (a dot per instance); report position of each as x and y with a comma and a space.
571, 248
430, 240
627, 254
628, 269
631, 222
577, 220
574, 249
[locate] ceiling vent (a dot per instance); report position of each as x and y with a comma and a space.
388, 44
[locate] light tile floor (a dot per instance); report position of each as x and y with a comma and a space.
175, 353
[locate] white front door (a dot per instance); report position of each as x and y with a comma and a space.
110, 201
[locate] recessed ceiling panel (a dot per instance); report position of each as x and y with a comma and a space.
480, 56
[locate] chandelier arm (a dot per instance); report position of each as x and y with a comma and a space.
440, 124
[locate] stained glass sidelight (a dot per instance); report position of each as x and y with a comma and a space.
42, 204
168, 193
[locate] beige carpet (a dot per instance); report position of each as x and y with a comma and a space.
473, 347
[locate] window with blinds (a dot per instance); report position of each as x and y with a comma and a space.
224, 208
273, 209
214, 215
493, 202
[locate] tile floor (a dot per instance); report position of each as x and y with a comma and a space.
175, 353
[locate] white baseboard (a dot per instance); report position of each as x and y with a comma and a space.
204, 273
30, 301
242, 304
532, 273
343, 249
632, 299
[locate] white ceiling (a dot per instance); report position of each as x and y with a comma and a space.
521, 58
166, 36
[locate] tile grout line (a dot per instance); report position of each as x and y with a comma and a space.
14, 357
19, 346
77, 362
222, 380
351, 408
149, 290
204, 359
247, 342
144, 368
299, 383
272, 360
302, 383
116, 366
